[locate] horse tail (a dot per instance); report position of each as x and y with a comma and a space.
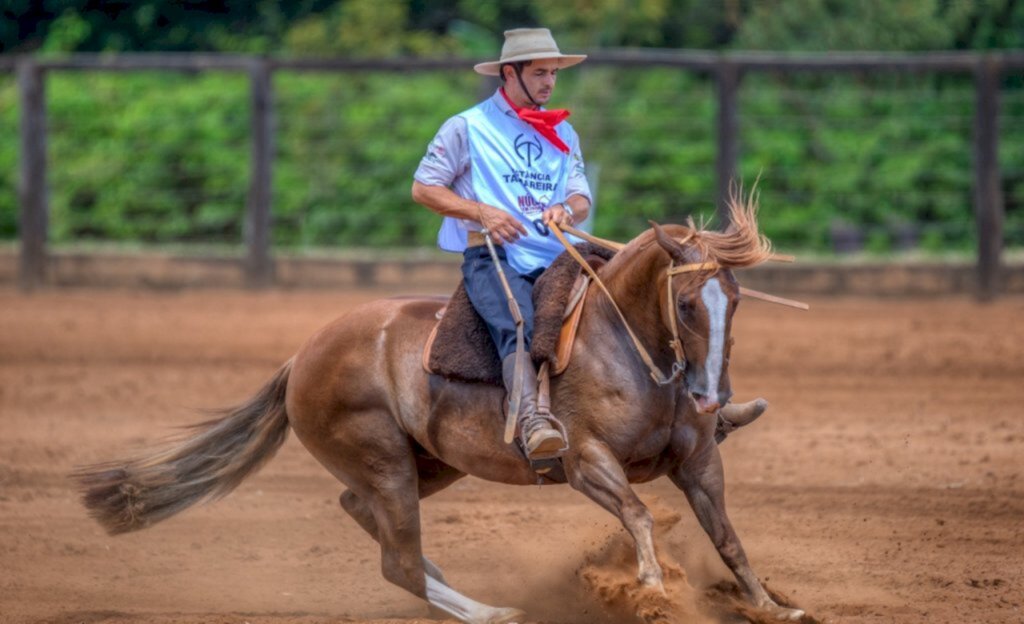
205, 464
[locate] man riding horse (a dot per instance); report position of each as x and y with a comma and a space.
508, 168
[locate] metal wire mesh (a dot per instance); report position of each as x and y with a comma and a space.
153, 157
8, 157
882, 162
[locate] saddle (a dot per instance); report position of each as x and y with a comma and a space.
460, 348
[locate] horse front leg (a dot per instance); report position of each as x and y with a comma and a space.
593, 470
702, 480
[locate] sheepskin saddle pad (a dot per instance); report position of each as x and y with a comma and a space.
460, 347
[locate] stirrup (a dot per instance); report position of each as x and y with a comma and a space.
552, 444
543, 464
541, 453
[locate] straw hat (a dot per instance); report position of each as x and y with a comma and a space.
528, 44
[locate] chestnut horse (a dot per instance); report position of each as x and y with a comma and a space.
359, 400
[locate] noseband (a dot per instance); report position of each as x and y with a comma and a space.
679, 366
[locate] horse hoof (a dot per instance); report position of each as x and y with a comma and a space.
507, 616
786, 614
653, 581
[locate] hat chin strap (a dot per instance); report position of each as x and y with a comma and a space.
522, 85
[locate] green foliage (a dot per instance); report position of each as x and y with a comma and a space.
435, 26
880, 155
861, 25
347, 149
608, 22
364, 28
67, 33
151, 157
8, 157
163, 158
651, 138
160, 157
1011, 158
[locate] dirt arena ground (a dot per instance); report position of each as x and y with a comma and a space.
886, 483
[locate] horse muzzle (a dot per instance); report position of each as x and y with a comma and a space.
706, 398
705, 404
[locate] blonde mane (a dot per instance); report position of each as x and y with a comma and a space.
741, 244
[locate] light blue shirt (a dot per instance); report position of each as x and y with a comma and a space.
488, 154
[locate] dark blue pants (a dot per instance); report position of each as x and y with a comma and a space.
488, 297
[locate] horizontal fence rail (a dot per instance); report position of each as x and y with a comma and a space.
684, 59
726, 68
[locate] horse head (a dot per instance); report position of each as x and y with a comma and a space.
699, 296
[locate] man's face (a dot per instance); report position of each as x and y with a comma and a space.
539, 77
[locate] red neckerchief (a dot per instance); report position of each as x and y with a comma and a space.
543, 121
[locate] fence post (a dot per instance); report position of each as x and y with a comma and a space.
727, 77
259, 267
988, 198
32, 198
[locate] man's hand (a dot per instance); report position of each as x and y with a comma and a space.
504, 228
501, 225
558, 215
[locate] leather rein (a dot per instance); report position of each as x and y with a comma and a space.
679, 366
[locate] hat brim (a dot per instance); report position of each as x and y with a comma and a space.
564, 60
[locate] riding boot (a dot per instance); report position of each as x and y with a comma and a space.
540, 439
733, 416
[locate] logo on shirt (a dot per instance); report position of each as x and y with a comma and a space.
578, 167
528, 149
528, 205
537, 181
435, 152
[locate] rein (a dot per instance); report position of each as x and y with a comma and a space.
679, 366
746, 292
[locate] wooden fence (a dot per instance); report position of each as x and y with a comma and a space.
727, 69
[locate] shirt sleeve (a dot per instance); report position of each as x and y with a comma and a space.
577, 183
447, 156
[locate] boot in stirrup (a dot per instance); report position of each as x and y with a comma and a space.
539, 438
733, 416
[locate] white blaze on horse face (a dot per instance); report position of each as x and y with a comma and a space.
716, 303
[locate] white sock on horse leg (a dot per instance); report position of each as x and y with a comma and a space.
433, 570
466, 609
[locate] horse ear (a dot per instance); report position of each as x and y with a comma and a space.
669, 244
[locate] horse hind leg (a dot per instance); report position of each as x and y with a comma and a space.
594, 471
433, 476
704, 489
398, 532
389, 511
354, 506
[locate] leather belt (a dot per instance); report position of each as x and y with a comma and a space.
475, 239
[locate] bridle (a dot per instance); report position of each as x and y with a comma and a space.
679, 365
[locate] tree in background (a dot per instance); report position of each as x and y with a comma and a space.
862, 25
473, 27
164, 158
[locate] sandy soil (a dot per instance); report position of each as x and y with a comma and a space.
886, 484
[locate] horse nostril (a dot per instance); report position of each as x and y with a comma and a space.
704, 403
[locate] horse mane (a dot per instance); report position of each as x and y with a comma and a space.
741, 244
